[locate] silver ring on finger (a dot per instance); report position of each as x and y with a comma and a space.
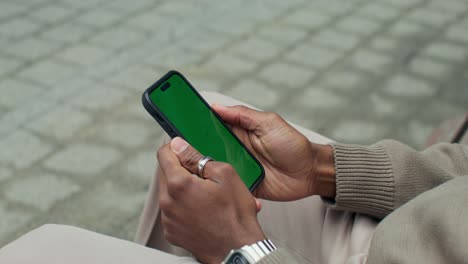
201, 165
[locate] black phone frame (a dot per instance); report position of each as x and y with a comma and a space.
173, 132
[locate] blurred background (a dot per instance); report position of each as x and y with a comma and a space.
77, 148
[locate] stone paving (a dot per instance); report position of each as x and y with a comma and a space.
77, 147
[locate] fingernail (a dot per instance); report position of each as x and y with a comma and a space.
178, 145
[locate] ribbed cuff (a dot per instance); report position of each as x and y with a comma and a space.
364, 179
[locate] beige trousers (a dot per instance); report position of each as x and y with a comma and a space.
308, 228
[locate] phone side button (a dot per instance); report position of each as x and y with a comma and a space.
158, 117
168, 130
172, 134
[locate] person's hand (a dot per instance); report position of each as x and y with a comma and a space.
295, 168
207, 217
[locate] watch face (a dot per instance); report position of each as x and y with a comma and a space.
237, 258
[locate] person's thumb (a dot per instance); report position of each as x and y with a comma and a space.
187, 155
241, 116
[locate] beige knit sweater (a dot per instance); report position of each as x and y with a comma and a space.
422, 198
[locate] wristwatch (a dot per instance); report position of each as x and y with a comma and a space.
250, 254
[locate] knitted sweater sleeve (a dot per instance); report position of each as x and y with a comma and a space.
378, 179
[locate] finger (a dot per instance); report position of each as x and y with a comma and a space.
224, 174
168, 162
239, 115
178, 180
258, 204
186, 154
162, 184
218, 171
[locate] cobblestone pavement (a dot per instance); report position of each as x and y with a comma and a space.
78, 148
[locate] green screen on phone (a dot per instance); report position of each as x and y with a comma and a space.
197, 123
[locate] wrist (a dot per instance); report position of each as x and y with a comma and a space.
249, 236
246, 234
324, 173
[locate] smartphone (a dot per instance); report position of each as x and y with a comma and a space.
182, 112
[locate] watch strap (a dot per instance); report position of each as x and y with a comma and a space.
252, 253
260, 249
